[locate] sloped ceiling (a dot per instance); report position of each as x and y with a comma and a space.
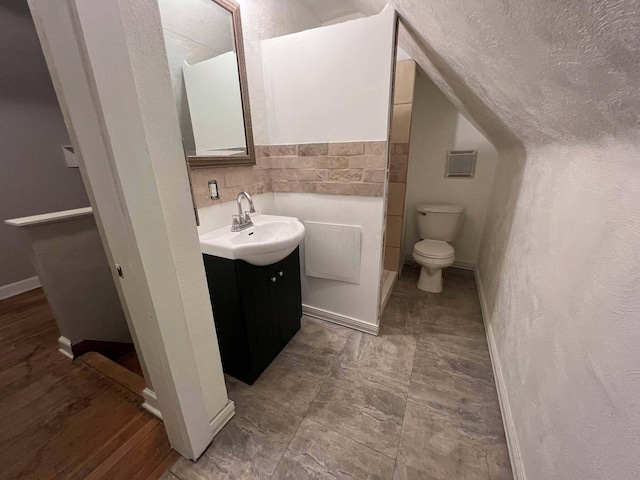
536, 72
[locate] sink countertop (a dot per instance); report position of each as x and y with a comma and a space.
269, 240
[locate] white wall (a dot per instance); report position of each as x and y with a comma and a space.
261, 20
219, 215
353, 300
359, 301
560, 270
554, 85
330, 84
73, 269
436, 126
34, 178
344, 18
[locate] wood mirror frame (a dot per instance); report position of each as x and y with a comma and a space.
201, 161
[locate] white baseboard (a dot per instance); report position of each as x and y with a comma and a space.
17, 288
340, 319
507, 419
64, 345
464, 266
385, 291
151, 403
223, 417
408, 260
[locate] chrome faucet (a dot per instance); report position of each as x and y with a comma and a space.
243, 220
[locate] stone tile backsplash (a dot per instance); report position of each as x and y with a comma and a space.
347, 168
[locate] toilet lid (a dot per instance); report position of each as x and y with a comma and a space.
433, 249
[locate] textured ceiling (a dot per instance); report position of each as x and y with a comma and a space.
536, 72
327, 10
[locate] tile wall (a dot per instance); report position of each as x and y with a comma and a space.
399, 161
348, 168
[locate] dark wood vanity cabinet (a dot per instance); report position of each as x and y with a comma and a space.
257, 311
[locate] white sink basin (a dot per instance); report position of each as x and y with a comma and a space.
271, 239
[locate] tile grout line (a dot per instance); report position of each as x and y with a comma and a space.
303, 417
343, 434
306, 416
404, 416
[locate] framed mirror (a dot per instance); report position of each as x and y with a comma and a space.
205, 51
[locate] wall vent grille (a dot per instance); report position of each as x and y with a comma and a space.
461, 163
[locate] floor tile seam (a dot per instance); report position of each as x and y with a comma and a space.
174, 472
305, 416
270, 400
324, 380
404, 415
406, 398
314, 349
395, 465
329, 401
352, 364
284, 452
255, 429
466, 439
352, 439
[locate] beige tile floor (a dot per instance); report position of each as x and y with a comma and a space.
416, 402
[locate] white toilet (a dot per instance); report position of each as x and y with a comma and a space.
437, 224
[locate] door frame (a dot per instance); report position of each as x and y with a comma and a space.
104, 59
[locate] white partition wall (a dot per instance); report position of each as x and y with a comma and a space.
330, 84
325, 85
356, 304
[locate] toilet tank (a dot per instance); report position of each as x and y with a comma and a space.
439, 222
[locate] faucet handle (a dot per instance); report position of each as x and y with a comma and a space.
237, 219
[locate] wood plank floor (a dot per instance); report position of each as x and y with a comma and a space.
64, 419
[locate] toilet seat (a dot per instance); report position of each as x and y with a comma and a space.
435, 249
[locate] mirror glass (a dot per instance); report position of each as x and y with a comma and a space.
201, 50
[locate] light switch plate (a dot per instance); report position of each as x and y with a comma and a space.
213, 190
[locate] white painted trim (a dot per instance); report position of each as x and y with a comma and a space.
385, 291
21, 286
464, 266
49, 217
223, 417
340, 319
65, 347
130, 201
503, 398
408, 260
151, 402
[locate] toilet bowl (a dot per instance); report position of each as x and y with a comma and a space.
432, 256
437, 225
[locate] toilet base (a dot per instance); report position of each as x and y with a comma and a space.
430, 280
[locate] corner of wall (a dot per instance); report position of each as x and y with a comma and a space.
503, 396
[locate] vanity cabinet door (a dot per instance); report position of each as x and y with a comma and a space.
257, 311
287, 273
258, 293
